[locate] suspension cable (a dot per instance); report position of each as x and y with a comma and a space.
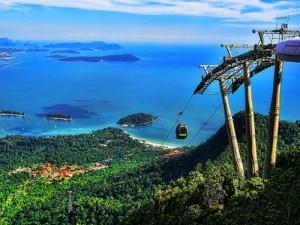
186, 105
177, 118
205, 123
169, 133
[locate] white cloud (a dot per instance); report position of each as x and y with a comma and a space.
241, 10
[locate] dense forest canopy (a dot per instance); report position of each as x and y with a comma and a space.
139, 186
137, 119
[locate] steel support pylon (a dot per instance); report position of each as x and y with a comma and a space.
250, 125
237, 162
270, 159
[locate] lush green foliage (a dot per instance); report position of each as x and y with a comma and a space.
211, 196
142, 187
16, 151
214, 194
26, 200
137, 119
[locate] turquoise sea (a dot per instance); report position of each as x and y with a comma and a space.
97, 95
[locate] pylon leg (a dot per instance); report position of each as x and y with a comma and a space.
270, 159
238, 164
250, 125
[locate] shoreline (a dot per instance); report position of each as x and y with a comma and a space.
153, 144
12, 114
56, 118
147, 142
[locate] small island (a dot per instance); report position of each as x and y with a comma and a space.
11, 113
68, 51
37, 50
58, 117
56, 56
138, 119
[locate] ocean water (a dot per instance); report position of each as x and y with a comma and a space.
97, 95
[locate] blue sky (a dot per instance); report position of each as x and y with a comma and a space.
186, 21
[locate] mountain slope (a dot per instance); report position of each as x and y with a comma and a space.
214, 194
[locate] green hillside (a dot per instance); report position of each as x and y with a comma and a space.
213, 193
139, 186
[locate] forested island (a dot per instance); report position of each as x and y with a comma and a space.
58, 117
11, 113
134, 186
106, 58
137, 119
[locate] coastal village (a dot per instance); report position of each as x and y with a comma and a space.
52, 172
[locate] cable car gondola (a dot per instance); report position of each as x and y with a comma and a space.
289, 50
181, 131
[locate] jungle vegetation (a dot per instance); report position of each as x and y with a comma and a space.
144, 187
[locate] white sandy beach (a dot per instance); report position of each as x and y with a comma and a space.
153, 144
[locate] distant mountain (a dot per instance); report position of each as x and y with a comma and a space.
69, 51
106, 58
5, 42
100, 45
8, 43
37, 50
56, 56
10, 50
85, 45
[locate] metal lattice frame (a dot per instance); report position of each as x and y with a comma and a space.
260, 57
231, 68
